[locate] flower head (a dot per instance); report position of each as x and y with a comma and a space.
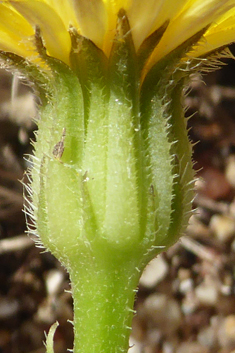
111, 182
97, 21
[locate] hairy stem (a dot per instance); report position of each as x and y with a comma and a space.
103, 307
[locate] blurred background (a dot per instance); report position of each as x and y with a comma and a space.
186, 297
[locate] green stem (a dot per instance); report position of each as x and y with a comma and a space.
103, 302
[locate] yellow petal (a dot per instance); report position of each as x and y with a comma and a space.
54, 33
65, 10
145, 18
15, 32
221, 33
194, 16
92, 19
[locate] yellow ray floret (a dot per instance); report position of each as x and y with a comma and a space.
96, 20
92, 18
52, 26
190, 19
14, 29
220, 33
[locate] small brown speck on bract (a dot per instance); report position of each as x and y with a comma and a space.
58, 149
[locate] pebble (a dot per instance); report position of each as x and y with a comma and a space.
54, 280
227, 286
192, 347
163, 312
223, 227
183, 283
227, 331
196, 227
207, 336
154, 272
46, 313
207, 294
189, 303
168, 348
8, 308
184, 273
186, 286
230, 170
